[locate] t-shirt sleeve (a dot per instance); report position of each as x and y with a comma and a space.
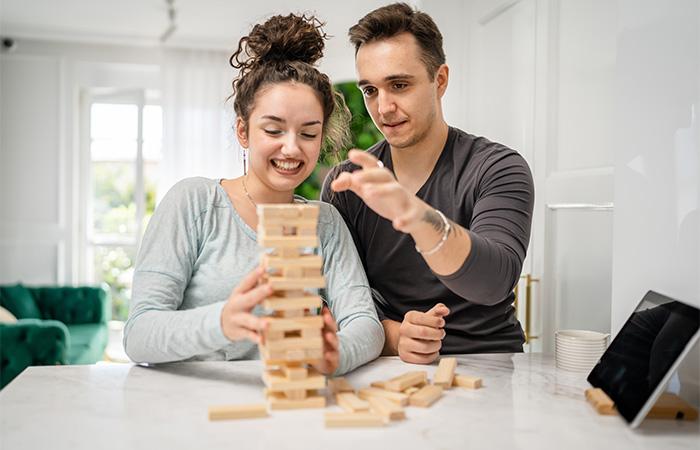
156, 330
499, 231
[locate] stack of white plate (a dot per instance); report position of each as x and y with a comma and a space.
579, 350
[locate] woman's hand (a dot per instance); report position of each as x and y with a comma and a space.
237, 322
331, 353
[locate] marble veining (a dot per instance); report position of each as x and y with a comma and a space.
526, 403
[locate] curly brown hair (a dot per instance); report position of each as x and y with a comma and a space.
285, 49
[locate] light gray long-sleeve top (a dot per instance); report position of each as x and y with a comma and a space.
197, 248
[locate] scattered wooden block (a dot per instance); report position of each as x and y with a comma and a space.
412, 390
468, 382
400, 383
378, 384
351, 402
227, 412
427, 395
600, 401
445, 372
339, 384
671, 406
359, 419
278, 400
386, 409
395, 397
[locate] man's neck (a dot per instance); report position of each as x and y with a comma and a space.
413, 165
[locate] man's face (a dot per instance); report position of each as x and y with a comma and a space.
399, 95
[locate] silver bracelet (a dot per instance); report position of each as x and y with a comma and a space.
445, 234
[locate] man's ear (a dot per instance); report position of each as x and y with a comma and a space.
442, 78
241, 132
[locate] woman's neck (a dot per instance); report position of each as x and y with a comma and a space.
257, 193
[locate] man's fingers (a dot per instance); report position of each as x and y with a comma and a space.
363, 159
417, 358
439, 310
423, 332
373, 175
420, 346
343, 182
424, 319
249, 281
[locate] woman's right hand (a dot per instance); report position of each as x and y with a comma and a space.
237, 322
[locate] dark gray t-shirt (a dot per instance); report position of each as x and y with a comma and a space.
485, 187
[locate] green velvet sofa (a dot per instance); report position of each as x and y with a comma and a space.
55, 325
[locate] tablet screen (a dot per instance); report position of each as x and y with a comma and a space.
644, 350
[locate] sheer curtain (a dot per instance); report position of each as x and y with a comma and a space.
198, 137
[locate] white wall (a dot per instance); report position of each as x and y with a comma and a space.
657, 158
40, 87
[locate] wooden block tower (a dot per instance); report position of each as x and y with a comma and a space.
293, 341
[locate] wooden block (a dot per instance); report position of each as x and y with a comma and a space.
273, 335
287, 211
292, 272
310, 332
386, 408
395, 397
288, 252
276, 381
378, 384
307, 322
671, 406
427, 395
287, 303
296, 394
339, 384
308, 261
282, 283
358, 419
468, 382
295, 373
295, 344
600, 401
280, 358
226, 412
351, 402
400, 383
445, 372
412, 390
290, 313
278, 400
287, 241
299, 222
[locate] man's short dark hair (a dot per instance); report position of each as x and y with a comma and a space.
390, 20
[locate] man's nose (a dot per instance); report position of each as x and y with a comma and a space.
385, 103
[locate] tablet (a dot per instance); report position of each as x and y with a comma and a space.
639, 362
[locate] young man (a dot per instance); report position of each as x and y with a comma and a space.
441, 218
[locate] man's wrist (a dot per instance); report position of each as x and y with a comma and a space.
391, 337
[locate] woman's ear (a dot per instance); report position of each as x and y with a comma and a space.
242, 132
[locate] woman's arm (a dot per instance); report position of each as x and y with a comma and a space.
349, 298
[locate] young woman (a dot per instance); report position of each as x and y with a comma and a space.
195, 290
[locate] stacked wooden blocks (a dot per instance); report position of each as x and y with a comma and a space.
293, 339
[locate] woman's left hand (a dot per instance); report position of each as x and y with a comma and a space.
331, 347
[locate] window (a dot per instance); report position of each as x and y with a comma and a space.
125, 141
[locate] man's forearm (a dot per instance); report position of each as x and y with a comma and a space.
428, 233
391, 337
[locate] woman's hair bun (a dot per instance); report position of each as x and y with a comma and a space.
281, 39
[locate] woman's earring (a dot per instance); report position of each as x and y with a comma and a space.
245, 161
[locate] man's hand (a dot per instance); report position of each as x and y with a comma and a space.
421, 334
378, 188
331, 347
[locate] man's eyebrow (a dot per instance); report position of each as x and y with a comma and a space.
398, 76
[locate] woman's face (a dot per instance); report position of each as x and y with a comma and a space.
284, 135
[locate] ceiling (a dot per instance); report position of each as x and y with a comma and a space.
210, 24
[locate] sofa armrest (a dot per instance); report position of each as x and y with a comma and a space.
74, 305
31, 342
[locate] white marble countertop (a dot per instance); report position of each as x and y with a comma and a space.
525, 403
